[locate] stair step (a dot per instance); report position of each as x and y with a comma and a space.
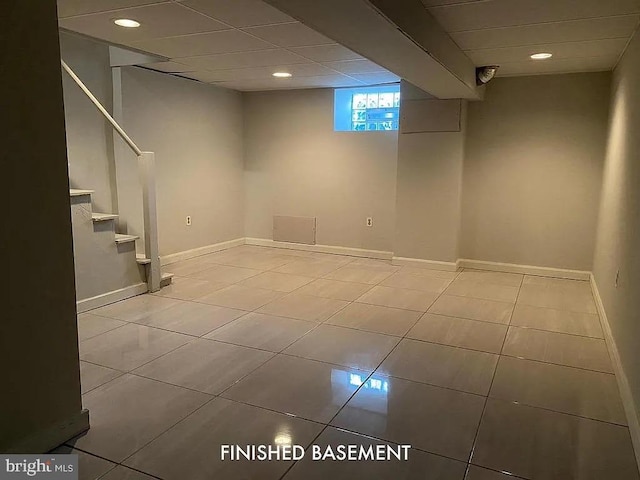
141, 259
120, 238
76, 192
103, 217
165, 279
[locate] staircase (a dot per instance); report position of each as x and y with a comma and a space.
106, 264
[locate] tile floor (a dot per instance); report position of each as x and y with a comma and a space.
487, 375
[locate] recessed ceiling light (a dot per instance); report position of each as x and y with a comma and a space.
541, 56
126, 22
281, 74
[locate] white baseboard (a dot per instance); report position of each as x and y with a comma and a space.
353, 252
196, 252
53, 436
525, 269
111, 297
429, 264
621, 377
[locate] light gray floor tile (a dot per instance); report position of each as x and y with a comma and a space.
124, 473
304, 307
582, 286
374, 318
186, 288
433, 419
191, 449
419, 466
240, 297
560, 348
551, 296
306, 388
186, 268
129, 411
451, 367
266, 332
425, 283
487, 291
90, 325
205, 365
371, 274
135, 308
473, 309
562, 389
560, 321
281, 282
130, 346
399, 298
535, 443
428, 272
311, 267
479, 473
460, 332
334, 289
226, 274
191, 318
92, 376
260, 261
344, 346
485, 276
90, 467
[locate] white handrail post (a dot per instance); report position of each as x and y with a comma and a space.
147, 169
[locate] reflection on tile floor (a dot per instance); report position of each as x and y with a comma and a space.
488, 375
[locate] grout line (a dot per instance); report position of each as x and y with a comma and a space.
486, 401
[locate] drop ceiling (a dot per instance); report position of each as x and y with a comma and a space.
583, 35
235, 44
238, 44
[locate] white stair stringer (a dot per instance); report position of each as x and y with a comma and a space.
105, 262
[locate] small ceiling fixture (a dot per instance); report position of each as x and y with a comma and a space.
281, 74
126, 22
541, 56
485, 74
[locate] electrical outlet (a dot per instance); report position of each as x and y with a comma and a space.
369, 222
188, 221
617, 278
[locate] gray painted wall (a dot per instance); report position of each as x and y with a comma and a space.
618, 238
196, 132
429, 183
533, 170
89, 137
295, 164
39, 342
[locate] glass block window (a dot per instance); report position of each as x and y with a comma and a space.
367, 108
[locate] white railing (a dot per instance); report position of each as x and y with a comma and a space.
146, 168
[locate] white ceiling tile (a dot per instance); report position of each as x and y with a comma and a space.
261, 58
240, 13
324, 81
562, 65
227, 41
355, 66
168, 67
504, 13
376, 78
265, 73
164, 20
326, 53
592, 48
289, 35
570, 31
68, 8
